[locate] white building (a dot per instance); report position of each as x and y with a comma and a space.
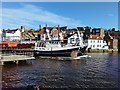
13, 35
96, 42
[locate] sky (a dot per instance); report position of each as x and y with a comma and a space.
71, 14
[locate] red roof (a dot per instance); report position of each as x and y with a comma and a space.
42, 31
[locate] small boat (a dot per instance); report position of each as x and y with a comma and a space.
83, 56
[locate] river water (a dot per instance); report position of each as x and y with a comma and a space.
99, 71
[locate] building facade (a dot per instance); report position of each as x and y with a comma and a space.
96, 42
50, 33
98, 32
11, 35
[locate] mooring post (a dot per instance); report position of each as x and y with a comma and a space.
2, 63
17, 62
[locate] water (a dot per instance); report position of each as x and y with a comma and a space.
99, 71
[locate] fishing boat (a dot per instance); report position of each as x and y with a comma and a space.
56, 48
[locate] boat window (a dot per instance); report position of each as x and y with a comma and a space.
71, 40
37, 44
42, 44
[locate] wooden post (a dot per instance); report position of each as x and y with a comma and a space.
2, 63
17, 62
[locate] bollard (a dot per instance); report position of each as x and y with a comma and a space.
2, 63
16, 62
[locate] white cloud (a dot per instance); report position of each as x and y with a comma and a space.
28, 15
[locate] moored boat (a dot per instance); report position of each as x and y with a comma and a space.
56, 48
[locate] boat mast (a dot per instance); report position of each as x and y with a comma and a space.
81, 39
48, 33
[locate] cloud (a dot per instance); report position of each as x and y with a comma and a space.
31, 16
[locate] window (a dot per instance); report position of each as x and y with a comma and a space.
97, 45
93, 45
98, 41
54, 31
100, 45
42, 36
97, 31
91, 41
71, 40
77, 40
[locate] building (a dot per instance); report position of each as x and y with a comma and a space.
98, 32
54, 34
112, 41
42, 34
96, 42
109, 39
11, 35
50, 33
28, 34
115, 44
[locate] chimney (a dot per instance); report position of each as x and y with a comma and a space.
46, 26
40, 27
22, 27
59, 28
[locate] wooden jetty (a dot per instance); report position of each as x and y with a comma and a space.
14, 58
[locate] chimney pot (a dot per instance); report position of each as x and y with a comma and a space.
40, 27
46, 25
